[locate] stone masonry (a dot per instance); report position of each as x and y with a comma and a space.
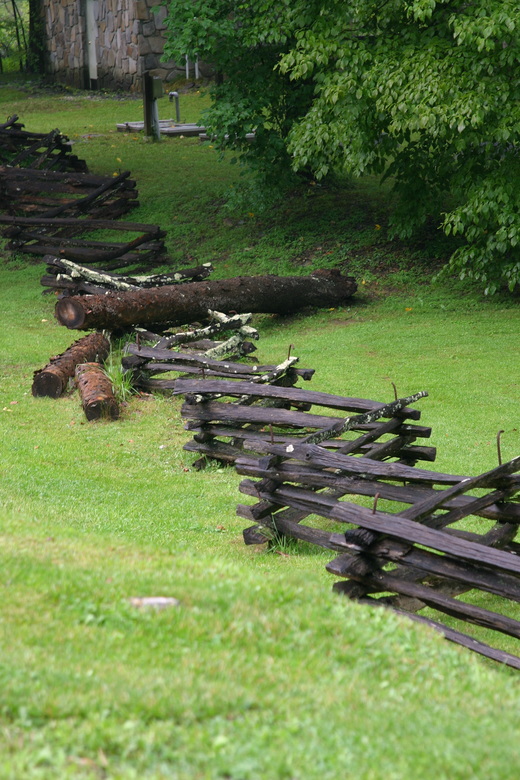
128, 39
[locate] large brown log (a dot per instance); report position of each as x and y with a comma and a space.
52, 380
269, 294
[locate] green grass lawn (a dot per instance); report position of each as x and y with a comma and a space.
260, 671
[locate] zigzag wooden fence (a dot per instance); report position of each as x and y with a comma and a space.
43, 151
227, 416
51, 205
416, 557
308, 461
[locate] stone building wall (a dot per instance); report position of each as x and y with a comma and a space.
106, 44
65, 27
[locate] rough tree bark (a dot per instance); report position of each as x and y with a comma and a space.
180, 305
97, 395
52, 380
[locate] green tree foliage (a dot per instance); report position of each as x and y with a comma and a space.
250, 92
13, 18
423, 91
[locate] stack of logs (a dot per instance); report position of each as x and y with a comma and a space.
84, 359
137, 310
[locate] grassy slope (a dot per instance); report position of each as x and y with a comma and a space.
260, 672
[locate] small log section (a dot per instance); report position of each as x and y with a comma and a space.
270, 294
425, 555
69, 278
36, 150
52, 380
97, 395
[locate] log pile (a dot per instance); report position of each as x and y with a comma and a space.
408, 559
43, 151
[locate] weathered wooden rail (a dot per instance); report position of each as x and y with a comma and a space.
51, 194
425, 555
51, 205
36, 150
73, 279
248, 408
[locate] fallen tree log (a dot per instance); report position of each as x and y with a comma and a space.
97, 395
52, 380
269, 294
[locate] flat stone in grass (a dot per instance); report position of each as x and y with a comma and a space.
153, 602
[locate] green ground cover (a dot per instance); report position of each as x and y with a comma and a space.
260, 672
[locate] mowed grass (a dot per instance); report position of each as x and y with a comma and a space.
260, 671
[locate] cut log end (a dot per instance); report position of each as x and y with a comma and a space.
69, 313
102, 409
52, 380
47, 384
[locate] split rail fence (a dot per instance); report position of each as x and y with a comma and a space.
51, 205
426, 539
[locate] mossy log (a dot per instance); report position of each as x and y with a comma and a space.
180, 305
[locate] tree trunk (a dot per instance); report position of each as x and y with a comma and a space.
52, 380
178, 306
36, 48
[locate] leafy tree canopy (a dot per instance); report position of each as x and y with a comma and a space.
423, 91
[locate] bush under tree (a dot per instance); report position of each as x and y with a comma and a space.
425, 92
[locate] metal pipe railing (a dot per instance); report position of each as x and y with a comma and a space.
172, 96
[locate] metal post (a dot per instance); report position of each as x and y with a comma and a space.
147, 104
156, 129
175, 95
151, 111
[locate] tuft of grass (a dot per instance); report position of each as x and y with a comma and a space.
121, 379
